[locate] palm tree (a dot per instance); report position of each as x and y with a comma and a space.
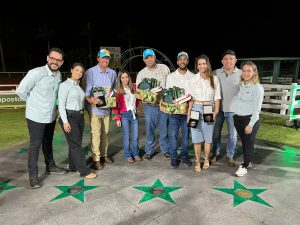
126, 35
87, 30
2, 32
45, 32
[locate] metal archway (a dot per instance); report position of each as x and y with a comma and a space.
135, 52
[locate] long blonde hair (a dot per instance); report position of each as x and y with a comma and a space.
119, 85
209, 69
255, 78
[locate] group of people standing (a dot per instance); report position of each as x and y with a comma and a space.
234, 95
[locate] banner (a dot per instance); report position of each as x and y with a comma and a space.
11, 101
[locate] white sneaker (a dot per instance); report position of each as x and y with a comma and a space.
249, 165
241, 171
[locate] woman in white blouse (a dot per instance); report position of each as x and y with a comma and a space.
205, 90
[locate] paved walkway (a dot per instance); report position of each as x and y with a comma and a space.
151, 192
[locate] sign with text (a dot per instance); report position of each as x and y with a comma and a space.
11, 100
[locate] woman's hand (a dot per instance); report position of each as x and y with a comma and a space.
188, 116
215, 115
67, 127
248, 129
118, 123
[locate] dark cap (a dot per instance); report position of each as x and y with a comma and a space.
228, 52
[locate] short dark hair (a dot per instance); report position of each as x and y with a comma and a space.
228, 52
57, 50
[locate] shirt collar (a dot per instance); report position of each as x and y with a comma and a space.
72, 81
177, 72
49, 72
234, 71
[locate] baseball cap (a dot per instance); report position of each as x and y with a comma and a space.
228, 52
104, 53
148, 52
182, 54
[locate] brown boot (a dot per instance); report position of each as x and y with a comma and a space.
231, 162
98, 165
107, 159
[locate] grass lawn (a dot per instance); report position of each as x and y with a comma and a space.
14, 131
13, 127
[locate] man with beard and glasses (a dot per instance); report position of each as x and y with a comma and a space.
39, 89
179, 78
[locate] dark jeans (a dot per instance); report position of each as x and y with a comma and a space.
175, 122
240, 122
40, 134
77, 160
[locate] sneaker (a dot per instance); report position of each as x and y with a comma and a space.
249, 165
137, 158
34, 184
130, 160
174, 165
167, 155
186, 162
214, 158
148, 157
57, 170
241, 171
231, 162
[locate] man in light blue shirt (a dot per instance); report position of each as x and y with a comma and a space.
39, 89
99, 76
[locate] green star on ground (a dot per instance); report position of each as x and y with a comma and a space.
157, 190
22, 150
4, 186
79, 195
242, 194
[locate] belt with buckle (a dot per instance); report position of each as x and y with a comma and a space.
202, 102
74, 111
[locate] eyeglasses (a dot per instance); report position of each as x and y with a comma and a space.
57, 60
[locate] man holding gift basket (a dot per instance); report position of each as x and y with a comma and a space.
100, 82
178, 80
151, 80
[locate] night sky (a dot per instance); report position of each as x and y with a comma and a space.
249, 28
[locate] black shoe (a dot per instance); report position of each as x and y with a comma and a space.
57, 170
167, 155
186, 162
214, 158
148, 157
174, 165
34, 184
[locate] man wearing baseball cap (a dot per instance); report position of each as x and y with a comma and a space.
229, 77
179, 78
154, 117
99, 76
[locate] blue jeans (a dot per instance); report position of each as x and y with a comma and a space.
232, 135
177, 121
154, 118
129, 123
